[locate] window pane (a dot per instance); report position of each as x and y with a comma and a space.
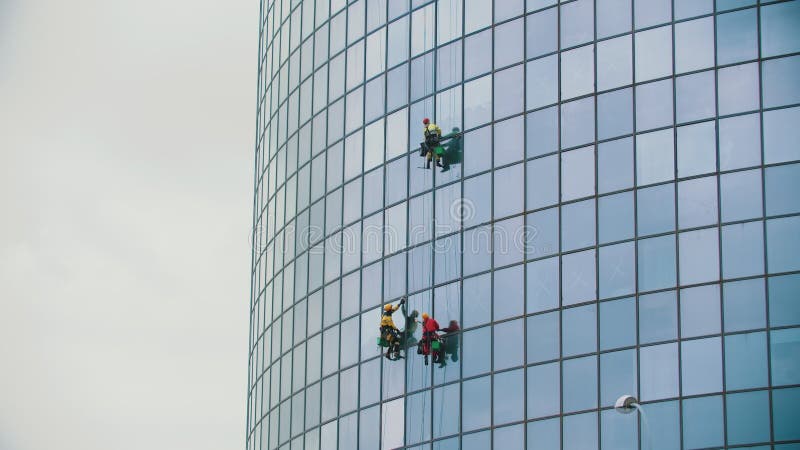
577, 72
700, 311
694, 45
476, 408
697, 149
738, 88
478, 54
509, 95
743, 303
654, 105
779, 24
579, 330
541, 33
577, 23
785, 410
658, 317
615, 114
784, 350
542, 285
614, 63
613, 17
737, 36
748, 417
578, 225
617, 374
743, 250
659, 371
580, 432
580, 383
656, 263
507, 403
694, 96
656, 209
780, 135
478, 102
745, 360
543, 390
783, 244
577, 122
507, 37
701, 366
702, 422
739, 142
508, 351
542, 133
652, 12
477, 351
617, 270
615, 165
783, 308
616, 217
446, 398
577, 173
543, 337
697, 202
477, 15
509, 292
699, 256
615, 319
653, 52
655, 157
578, 284
781, 182
741, 195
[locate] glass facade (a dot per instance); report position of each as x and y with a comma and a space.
624, 220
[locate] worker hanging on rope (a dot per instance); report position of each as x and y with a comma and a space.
450, 342
432, 148
430, 343
390, 336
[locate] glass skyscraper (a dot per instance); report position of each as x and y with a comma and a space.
620, 216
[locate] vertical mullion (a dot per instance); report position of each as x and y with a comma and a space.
596, 227
560, 260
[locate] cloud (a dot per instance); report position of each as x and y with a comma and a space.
125, 184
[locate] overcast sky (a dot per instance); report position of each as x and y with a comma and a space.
126, 141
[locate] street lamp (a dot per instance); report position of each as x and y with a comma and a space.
626, 404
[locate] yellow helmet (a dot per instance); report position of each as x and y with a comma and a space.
425, 316
387, 307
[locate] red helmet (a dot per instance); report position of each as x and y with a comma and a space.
426, 121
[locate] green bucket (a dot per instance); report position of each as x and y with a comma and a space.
435, 345
382, 342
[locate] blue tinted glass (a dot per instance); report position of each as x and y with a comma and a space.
477, 304
615, 165
694, 96
694, 45
477, 441
655, 156
651, 12
577, 72
785, 411
697, 149
615, 114
691, 8
783, 244
418, 417
738, 88
542, 133
577, 122
544, 435
543, 390
701, 366
577, 173
578, 225
509, 141
780, 135
507, 193
617, 375
616, 217
507, 403
478, 144
509, 241
700, 311
477, 256
613, 17
542, 285
509, 97
744, 305
653, 105
741, 195
702, 422
783, 307
508, 348
580, 384
658, 317
618, 431
477, 351
724, 5
543, 337
577, 23
739, 142
478, 102
541, 33
579, 277
748, 417
614, 62
508, 298
699, 256
478, 54
779, 25
737, 36
615, 319
478, 14
666, 435
781, 182
655, 209
784, 349
653, 52
478, 191
656, 263
509, 437
476, 407
697, 202
579, 330
617, 270
580, 432
745, 360
506, 43
446, 398
543, 239
780, 81
742, 250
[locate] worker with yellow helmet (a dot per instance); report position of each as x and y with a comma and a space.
389, 330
